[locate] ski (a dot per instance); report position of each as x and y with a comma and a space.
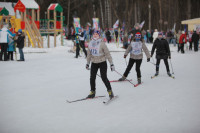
110, 100
156, 76
153, 77
120, 81
136, 85
172, 77
82, 99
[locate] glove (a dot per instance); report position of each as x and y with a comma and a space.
125, 56
169, 57
87, 67
112, 67
148, 59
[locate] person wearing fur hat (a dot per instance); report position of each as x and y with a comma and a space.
20, 44
98, 53
136, 55
162, 52
182, 41
4, 40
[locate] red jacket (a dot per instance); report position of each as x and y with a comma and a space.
183, 37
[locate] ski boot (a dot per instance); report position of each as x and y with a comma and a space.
139, 81
122, 78
92, 94
169, 74
111, 95
156, 74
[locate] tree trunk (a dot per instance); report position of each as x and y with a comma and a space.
150, 15
102, 22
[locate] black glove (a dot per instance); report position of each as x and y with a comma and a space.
125, 56
148, 59
112, 67
87, 67
169, 57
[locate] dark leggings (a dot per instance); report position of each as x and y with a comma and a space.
82, 45
103, 70
137, 68
158, 64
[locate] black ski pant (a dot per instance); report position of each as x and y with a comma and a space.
4, 47
82, 45
195, 46
158, 64
103, 71
182, 48
190, 47
10, 54
137, 68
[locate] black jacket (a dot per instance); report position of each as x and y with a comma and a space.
195, 37
20, 41
163, 50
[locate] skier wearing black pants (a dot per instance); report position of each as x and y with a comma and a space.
80, 37
135, 49
98, 53
162, 52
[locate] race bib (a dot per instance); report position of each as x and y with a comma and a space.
94, 47
136, 48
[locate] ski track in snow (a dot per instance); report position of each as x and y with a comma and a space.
33, 95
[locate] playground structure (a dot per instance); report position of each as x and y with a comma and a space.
25, 15
55, 25
30, 21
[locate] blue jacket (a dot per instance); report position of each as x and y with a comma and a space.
11, 46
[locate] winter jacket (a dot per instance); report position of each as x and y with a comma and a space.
183, 37
162, 49
4, 34
81, 36
11, 46
155, 35
135, 49
195, 37
98, 52
20, 41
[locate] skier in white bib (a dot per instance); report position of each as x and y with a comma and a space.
98, 53
136, 55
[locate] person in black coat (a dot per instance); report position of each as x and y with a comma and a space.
195, 39
162, 52
108, 37
20, 44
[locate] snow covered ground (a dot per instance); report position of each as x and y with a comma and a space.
33, 95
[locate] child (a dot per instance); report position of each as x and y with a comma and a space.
11, 48
136, 55
97, 54
20, 44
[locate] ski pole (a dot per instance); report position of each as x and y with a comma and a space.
171, 66
125, 78
98, 75
152, 63
126, 61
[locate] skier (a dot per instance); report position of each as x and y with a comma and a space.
162, 52
195, 39
4, 34
97, 54
81, 43
136, 55
20, 44
182, 41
